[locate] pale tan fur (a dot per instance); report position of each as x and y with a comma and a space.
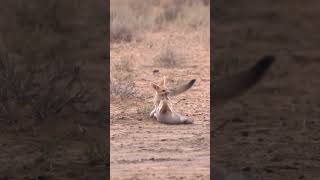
163, 110
224, 90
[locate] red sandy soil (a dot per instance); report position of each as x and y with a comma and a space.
141, 147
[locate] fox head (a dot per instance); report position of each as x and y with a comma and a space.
162, 90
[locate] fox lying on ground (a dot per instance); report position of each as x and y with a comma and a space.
163, 110
224, 90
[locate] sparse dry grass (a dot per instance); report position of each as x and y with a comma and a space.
194, 16
123, 89
47, 88
39, 55
146, 109
121, 32
43, 49
130, 18
126, 19
121, 80
168, 58
163, 44
124, 65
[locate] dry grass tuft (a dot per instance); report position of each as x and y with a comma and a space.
167, 58
130, 18
120, 32
146, 109
39, 55
122, 89
124, 65
121, 81
48, 88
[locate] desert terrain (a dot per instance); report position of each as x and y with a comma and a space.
178, 48
272, 132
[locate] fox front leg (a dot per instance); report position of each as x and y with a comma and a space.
153, 111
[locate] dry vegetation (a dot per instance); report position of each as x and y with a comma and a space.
37, 68
150, 39
121, 80
167, 57
51, 59
131, 19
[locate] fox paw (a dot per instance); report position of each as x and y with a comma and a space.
186, 120
151, 115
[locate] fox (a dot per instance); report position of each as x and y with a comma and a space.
163, 110
224, 89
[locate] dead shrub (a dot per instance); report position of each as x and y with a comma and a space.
124, 65
120, 32
39, 56
144, 109
121, 81
194, 16
121, 24
184, 13
122, 89
47, 88
170, 13
167, 58
130, 18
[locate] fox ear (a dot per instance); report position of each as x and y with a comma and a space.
155, 87
163, 82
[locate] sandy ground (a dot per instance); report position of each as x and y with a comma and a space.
141, 147
273, 131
